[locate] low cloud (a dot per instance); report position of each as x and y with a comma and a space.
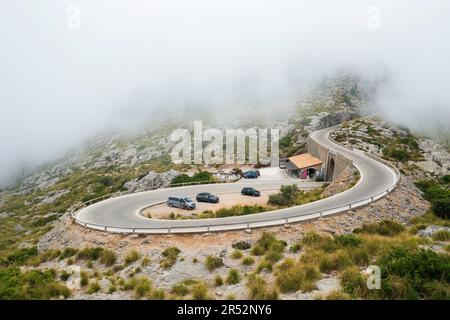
60, 84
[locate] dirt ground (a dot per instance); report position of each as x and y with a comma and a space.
228, 200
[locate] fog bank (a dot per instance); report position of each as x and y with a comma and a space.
65, 77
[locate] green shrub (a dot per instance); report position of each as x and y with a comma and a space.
247, 261
398, 154
132, 256
441, 235
436, 290
112, 289
287, 196
384, 228
312, 239
257, 289
108, 258
67, 253
241, 245
202, 176
84, 279
336, 295
218, 281
236, 210
441, 207
296, 247
416, 269
106, 181
93, 288
30, 285
338, 261
359, 256
64, 276
19, 257
291, 276
117, 268
347, 240
158, 294
170, 257
89, 254
142, 287
264, 265
49, 255
233, 277
269, 246
438, 193
237, 171
200, 291
353, 283
213, 263
180, 289
237, 254
145, 261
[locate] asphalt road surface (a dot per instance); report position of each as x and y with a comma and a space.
122, 214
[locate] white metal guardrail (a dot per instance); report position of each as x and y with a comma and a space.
228, 226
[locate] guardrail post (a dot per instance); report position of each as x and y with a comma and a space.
321, 214
350, 206
134, 230
168, 230
372, 199
106, 229
207, 228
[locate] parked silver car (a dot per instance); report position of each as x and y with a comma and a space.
181, 202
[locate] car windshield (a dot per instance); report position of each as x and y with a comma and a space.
188, 200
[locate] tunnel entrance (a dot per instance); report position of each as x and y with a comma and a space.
330, 169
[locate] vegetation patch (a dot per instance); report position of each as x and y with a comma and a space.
236, 210
291, 276
132, 256
233, 277
30, 285
269, 247
213, 263
438, 193
384, 228
170, 257
184, 179
257, 289
290, 195
180, 290
200, 291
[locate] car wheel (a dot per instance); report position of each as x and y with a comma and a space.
171, 205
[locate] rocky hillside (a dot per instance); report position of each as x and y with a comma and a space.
414, 155
322, 259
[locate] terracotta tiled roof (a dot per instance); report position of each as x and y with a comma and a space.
305, 160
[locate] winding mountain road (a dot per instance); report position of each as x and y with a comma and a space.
122, 214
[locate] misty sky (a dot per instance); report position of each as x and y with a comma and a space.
60, 84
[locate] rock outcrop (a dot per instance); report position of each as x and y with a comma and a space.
325, 120
152, 180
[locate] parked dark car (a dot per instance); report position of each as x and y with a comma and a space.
207, 197
247, 191
250, 175
181, 202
